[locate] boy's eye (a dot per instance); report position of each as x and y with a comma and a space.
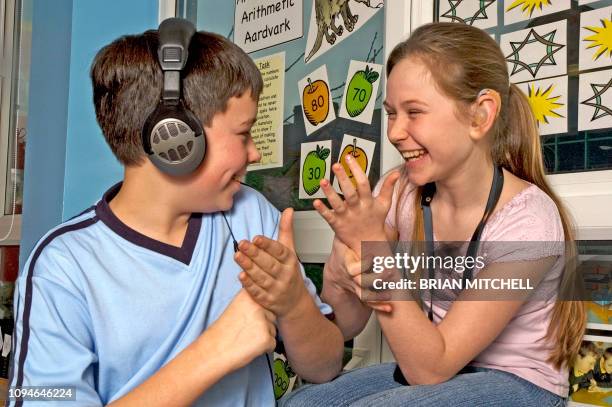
245, 136
413, 112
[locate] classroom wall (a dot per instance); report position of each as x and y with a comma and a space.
68, 165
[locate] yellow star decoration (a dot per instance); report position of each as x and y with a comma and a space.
529, 5
602, 38
543, 105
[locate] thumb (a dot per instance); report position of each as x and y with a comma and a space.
386, 191
285, 229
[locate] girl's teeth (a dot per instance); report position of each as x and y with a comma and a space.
413, 154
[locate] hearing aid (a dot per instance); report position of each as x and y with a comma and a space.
484, 91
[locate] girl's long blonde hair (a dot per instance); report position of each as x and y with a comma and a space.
473, 61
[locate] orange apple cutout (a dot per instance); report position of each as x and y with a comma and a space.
315, 101
358, 154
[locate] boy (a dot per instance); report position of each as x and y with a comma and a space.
138, 301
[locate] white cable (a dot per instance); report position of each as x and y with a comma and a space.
5, 237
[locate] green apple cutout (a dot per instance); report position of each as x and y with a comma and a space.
282, 377
360, 91
314, 168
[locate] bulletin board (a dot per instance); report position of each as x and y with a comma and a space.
321, 62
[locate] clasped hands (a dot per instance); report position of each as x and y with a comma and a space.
271, 272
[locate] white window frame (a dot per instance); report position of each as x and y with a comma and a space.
167, 9
8, 223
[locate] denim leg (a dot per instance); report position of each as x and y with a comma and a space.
345, 389
481, 388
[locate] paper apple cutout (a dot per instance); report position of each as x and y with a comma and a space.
315, 101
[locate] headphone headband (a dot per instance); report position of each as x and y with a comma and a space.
174, 37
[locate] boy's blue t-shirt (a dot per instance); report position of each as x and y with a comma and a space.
102, 307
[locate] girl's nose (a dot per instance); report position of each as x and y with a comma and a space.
397, 132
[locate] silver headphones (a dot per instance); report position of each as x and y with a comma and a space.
172, 136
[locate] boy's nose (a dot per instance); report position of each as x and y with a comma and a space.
253, 153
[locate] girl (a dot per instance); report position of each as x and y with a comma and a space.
471, 146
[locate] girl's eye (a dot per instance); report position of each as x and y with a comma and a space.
414, 112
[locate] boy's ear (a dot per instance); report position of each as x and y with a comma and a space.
486, 109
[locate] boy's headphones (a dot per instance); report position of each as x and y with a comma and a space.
172, 136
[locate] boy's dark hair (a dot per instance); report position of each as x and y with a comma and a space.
127, 85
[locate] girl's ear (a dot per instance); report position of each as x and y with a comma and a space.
486, 109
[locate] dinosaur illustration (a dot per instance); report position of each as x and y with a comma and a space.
326, 12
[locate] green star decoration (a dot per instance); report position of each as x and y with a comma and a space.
481, 13
595, 101
533, 67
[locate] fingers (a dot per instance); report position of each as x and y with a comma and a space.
380, 306
254, 272
346, 185
325, 212
335, 201
353, 267
363, 185
254, 290
272, 345
356, 286
386, 191
372, 288
269, 315
275, 249
285, 229
264, 262
271, 329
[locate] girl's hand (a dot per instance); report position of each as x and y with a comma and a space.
344, 271
343, 268
359, 216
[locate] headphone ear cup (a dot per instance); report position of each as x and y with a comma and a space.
174, 140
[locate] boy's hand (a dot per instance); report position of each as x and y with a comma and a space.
244, 331
271, 269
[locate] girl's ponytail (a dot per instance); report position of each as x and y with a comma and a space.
518, 149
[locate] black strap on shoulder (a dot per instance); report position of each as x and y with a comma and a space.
428, 192
496, 188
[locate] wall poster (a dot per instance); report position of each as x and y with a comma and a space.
306, 85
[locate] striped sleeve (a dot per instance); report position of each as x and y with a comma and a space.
52, 341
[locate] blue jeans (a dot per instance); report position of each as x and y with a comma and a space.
472, 387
